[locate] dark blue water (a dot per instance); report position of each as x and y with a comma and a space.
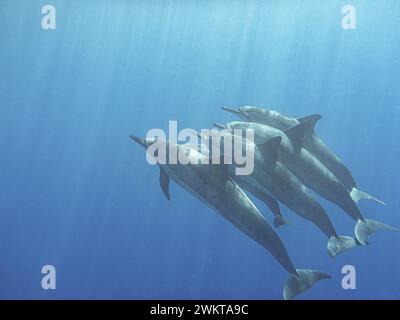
76, 193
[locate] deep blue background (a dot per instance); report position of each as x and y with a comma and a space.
76, 193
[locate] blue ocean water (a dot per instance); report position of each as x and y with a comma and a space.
77, 193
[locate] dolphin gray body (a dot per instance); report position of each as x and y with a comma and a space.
213, 186
270, 201
311, 172
311, 142
271, 178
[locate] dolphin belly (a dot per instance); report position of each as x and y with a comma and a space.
242, 213
234, 205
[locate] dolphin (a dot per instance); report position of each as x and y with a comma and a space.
312, 143
270, 201
311, 172
271, 177
212, 185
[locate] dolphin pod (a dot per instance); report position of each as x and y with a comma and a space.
213, 185
290, 160
306, 166
271, 177
311, 142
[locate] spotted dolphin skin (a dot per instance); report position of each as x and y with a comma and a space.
212, 184
311, 142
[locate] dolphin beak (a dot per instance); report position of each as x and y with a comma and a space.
231, 110
138, 140
197, 133
219, 125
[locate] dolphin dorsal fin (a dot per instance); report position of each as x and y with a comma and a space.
164, 183
297, 132
270, 148
312, 119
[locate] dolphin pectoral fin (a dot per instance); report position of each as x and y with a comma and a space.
365, 228
270, 201
297, 132
164, 183
304, 279
279, 220
358, 195
269, 149
312, 119
273, 205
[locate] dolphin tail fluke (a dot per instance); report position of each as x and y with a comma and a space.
358, 195
280, 221
365, 228
304, 279
339, 244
